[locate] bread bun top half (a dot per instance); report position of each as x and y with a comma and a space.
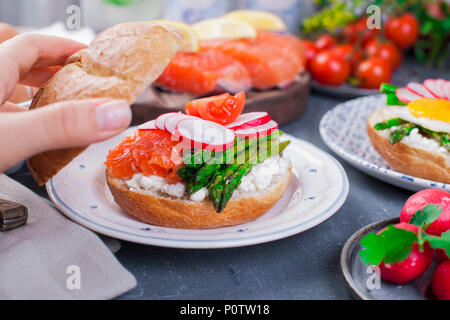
119, 63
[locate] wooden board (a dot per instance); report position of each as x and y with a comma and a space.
283, 105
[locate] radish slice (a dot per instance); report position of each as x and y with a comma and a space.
430, 85
406, 95
439, 86
258, 131
446, 89
147, 126
419, 90
249, 120
159, 122
199, 133
171, 122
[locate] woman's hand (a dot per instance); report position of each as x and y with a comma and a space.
31, 60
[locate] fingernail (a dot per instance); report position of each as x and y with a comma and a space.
113, 115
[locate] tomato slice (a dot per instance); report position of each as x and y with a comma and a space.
222, 109
191, 108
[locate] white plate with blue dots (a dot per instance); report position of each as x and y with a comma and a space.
318, 188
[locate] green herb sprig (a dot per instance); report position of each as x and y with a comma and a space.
394, 244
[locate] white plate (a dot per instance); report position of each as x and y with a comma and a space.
317, 190
343, 129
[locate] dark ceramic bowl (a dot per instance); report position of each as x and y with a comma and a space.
357, 275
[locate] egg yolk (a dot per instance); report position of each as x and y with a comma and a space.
434, 109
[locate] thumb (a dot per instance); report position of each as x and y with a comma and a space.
64, 125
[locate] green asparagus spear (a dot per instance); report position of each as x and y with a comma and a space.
243, 170
195, 159
206, 172
199, 157
445, 140
187, 173
400, 133
216, 185
199, 176
389, 124
407, 127
387, 88
391, 97
442, 138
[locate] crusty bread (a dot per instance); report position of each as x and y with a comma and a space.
416, 162
119, 63
169, 212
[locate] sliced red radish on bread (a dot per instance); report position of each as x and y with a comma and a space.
439, 86
446, 89
406, 95
159, 122
147, 126
204, 134
171, 121
430, 85
258, 131
419, 90
249, 120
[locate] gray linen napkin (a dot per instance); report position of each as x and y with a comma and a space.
51, 256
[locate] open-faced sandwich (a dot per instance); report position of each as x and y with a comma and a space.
207, 168
412, 133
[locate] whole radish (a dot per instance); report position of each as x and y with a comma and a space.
429, 196
440, 282
413, 266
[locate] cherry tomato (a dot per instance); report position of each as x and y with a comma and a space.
348, 52
372, 72
440, 283
390, 53
371, 47
429, 196
413, 266
402, 30
325, 41
222, 109
350, 33
330, 69
358, 31
311, 52
384, 50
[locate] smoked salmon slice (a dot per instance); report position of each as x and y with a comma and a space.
151, 152
202, 72
273, 60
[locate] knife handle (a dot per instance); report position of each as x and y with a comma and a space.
12, 215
